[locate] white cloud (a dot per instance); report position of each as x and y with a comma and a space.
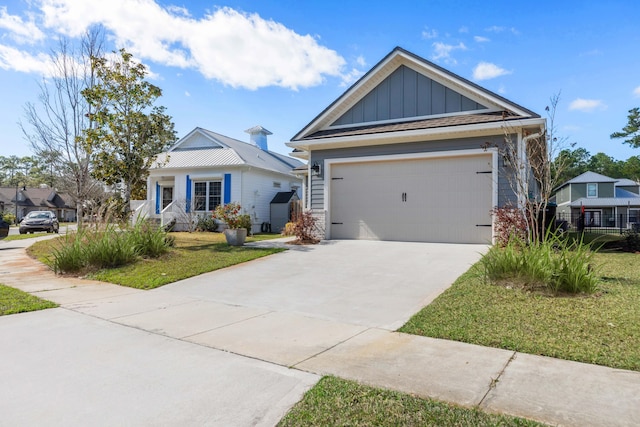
361, 61
636, 91
481, 39
442, 51
463, 29
429, 34
18, 60
487, 70
20, 31
500, 29
186, 93
235, 48
587, 105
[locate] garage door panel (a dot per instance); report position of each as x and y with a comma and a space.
446, 200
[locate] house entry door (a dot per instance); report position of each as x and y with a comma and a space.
167, 196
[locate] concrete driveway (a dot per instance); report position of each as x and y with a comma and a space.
211, 350
374, 284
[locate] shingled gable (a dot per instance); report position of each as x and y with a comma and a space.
407, 94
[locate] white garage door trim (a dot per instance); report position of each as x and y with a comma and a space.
328, 163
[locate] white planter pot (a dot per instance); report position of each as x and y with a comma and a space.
235, 236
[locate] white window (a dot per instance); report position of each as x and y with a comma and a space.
207, 195
592, 190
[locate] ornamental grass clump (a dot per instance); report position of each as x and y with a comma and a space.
93, 249
554, 264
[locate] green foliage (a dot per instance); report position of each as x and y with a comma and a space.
555, 265
92, 249
570, 163
631, 131
245, 222
206, 223
130, 131
9, 217
16, 301
337, 402
631, 242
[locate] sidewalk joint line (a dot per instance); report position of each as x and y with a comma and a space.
494, 381
329, 348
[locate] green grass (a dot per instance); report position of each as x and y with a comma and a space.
194, 254
24, 236
14, 301
603, 328
337, 402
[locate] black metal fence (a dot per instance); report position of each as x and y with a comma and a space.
597, 222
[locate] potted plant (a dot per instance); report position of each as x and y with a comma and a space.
235, 233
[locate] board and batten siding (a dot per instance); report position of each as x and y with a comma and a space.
505, 192
404, 94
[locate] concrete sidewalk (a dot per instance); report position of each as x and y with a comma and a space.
265, 329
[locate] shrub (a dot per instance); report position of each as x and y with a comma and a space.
244, 221
229, 214
554, 264
9, 217
289, 229
206, 223
510, 224
631, 241
304, 228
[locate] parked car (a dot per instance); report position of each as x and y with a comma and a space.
39, 221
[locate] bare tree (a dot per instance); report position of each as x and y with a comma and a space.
531, 171
55, 126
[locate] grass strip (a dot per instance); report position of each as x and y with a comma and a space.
603, 328
194, 254
337, 402
14, 301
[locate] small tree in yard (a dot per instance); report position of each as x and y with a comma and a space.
533, 175
129, 130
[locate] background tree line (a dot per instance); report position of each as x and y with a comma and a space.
577, 161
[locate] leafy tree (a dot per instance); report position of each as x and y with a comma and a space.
632, 130
631, 168
605, 165
570, 163
55, 125
130, 131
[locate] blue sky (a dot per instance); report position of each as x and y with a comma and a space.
229, 66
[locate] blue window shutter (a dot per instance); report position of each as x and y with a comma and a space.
227, 188
188, 207
157, 198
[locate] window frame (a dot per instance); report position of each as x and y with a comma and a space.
212, 196
595, 187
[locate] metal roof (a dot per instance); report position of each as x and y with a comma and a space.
223, 151
606, 202
588, 177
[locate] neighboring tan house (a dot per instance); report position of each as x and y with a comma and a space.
205, 169
36, 199
605, 201
409, 153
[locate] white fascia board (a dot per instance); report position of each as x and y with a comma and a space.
482, 129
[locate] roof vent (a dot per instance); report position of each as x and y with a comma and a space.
259, 137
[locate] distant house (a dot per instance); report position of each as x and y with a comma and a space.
36, 199
205, 169
605, 201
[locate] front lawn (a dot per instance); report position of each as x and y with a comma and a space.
603, 328
14, 301
24, 236
337, 402
194, 254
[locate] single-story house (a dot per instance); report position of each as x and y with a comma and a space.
36, 199
605, 201
205, 169
410, 153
